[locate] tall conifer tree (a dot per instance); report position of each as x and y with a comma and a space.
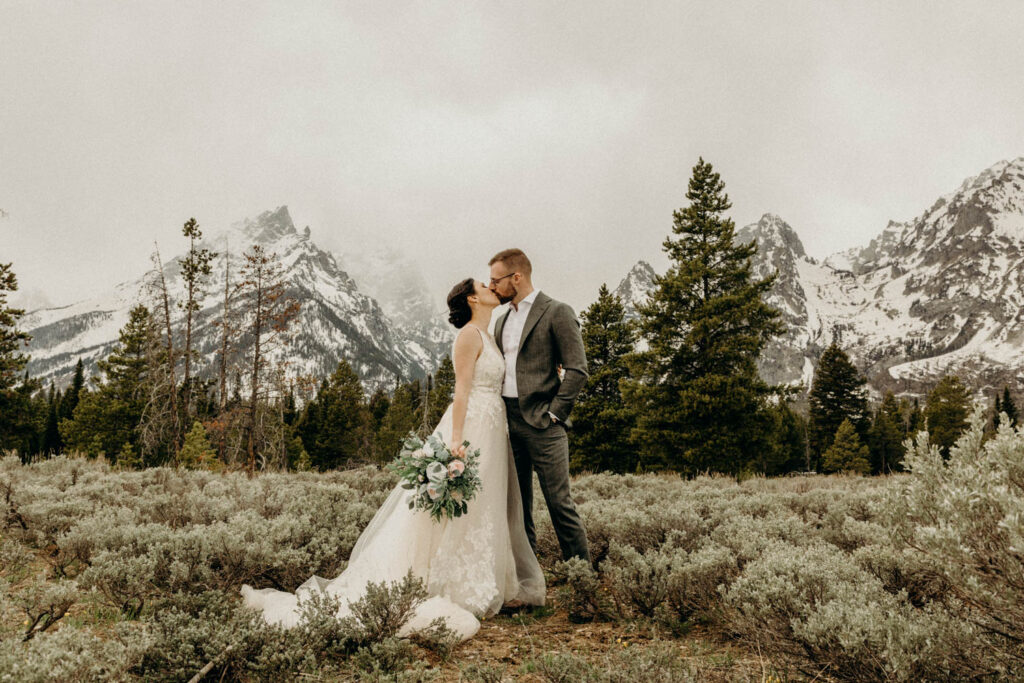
67, 406
946, 412
107, 419
846, 454
400, 419
1009, 407
343, 419
786, 447
51, 435
837, 393
699, 394
886, 435
195, 269
442, 393
16, 424
599, 439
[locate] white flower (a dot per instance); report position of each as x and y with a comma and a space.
435, 491
456, 468
419, 454
436, 472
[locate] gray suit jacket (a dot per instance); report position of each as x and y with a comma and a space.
551, 337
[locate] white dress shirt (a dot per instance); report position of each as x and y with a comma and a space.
511, 335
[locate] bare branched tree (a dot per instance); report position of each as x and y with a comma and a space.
158, 290
159, 420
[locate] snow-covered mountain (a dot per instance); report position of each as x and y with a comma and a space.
398, 285
634, 287
938, 294
337, 319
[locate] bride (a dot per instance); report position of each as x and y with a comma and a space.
470, 565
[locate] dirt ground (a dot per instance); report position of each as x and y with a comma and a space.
507, 641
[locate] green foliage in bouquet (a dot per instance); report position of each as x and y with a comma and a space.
442, 483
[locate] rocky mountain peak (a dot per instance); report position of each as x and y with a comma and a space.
772, 229
634, 287
267, 227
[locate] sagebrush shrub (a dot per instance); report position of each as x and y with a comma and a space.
964, 518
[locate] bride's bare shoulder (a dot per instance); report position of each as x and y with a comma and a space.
468, 341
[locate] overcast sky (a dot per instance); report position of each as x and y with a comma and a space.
455, 129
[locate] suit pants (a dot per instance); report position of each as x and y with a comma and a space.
546, 451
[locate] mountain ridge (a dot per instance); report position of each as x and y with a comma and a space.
938, 293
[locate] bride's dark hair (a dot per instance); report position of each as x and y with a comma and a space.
459, 312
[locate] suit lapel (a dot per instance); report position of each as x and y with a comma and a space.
499, 327
540, 304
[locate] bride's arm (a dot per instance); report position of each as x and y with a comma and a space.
468, 346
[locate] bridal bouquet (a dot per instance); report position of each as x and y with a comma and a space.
442, 482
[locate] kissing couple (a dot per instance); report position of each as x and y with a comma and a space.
512, 403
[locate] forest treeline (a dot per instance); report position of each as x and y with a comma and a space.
673, 388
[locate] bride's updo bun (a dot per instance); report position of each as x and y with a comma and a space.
459, 312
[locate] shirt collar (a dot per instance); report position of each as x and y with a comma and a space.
528, 300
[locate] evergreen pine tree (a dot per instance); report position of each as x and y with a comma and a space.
298, 458
699, 394
308, 426
51, 436
197, 452
195, 269
996, 409
786, 445
443, 392
342, 420
106, 419
602, 422
915, 419
846, 454
398, 421
946, 412
67, 406
16, 415
416, 391
837, 394
1009, 407
379, 404
886, 435
128, 457
290, 411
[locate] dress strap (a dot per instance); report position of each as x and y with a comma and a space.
482, 333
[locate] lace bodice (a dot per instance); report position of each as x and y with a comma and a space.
488, 376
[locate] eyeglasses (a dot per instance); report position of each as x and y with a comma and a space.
496, 280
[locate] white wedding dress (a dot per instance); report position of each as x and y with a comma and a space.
470, 565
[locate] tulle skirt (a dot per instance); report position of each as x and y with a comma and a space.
470, 565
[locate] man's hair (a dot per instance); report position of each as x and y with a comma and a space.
514, 259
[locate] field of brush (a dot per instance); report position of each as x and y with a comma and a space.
134, 575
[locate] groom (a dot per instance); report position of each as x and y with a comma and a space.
536, 335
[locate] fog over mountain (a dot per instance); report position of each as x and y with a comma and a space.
337, 320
